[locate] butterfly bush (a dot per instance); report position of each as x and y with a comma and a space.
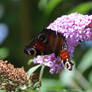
75, 28
51, 61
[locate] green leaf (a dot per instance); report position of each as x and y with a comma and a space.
82, 8
66, 77
33, 69
50, 6
2, 90
90, 77
30, 61
49, 84
86, 62
29, 90
4, 53
42, 4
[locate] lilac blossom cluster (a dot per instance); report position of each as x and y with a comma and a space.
51, 61
75, 28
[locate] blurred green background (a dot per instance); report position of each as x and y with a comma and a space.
21, 20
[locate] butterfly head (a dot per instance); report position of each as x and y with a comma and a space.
38, 45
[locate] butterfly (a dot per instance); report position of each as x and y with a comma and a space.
47, 42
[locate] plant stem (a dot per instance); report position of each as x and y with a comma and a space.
41, 74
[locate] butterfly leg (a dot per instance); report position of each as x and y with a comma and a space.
65, 59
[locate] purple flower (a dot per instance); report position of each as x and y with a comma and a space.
75, 28
51, 61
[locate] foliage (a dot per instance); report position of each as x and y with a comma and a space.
31, 70
25, 18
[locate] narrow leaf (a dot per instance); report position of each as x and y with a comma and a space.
33, 69
50, 6
90, 77
82, 8
86, 62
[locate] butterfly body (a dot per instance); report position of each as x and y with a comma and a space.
48, 42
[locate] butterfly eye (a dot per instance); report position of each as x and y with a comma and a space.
33, 51
42, 37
